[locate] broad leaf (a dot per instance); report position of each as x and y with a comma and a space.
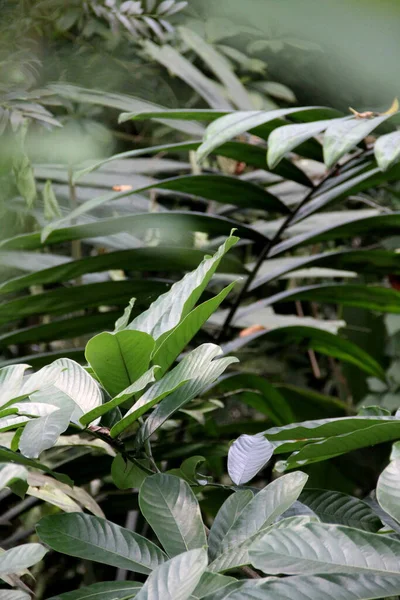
120, 358
172, 510
388, 489
20, 558
177, 578
225, 518
170, 308
209, 584
317, 548
247, 456
387, 150
96, 539
105, 590
340, 509
9, 456
11, 382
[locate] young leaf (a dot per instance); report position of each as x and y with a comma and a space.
120, 358
20, 558
317, 548
170, 308
175, 579
96, 539
247, 456
388, 489
172, 510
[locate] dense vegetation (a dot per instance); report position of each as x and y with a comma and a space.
199, 316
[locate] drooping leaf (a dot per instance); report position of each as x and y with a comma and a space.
119, 359
172, 510
247, 456
175, 579
317, 548
96, 539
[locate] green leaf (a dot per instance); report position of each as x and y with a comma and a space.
371, 297
343, 135
105, 590
172, 510
11, 382
169, 222
220, 188
11, 473
340, 509
177, 578
322, 587
185, 331
220, 66
387, 150
20, 558
247, 456
170, 308
207, 369
209, 584
256, 516
193, 367
284, 139
320, 341
147, 378
177, 64
123, 321
225, 518
388, 489
120, 358
317, 548
127, 474
92, 538
14, 595
51, 207
307, 403
237, 123
9, 456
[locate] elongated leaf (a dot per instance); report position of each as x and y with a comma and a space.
14, 595
20, 558
221, 188
371, 297
11, 382
342, 136
65, 300
317, 548
179, 337
138, 259
209, 584
232, 125
388, 489
96, 539
284, 139
170, 223
177, 578
321, 587
320, 341
171, 508
137, 386
120, 358
121, 102
247, 456
182, 68
387, 150
225, 519
102, 591
9, 456
168, 310
340, 509
182, 396
192, 368
220, 66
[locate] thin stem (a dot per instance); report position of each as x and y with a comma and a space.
149, 453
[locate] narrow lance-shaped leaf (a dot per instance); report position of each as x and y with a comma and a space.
93, 538
172, 510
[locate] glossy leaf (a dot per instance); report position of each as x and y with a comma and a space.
247, 456
225, 519
317, 548
96, 539
11, 382
102, 591
388, 489
20, 558
209, 584
177, 578
172, 510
